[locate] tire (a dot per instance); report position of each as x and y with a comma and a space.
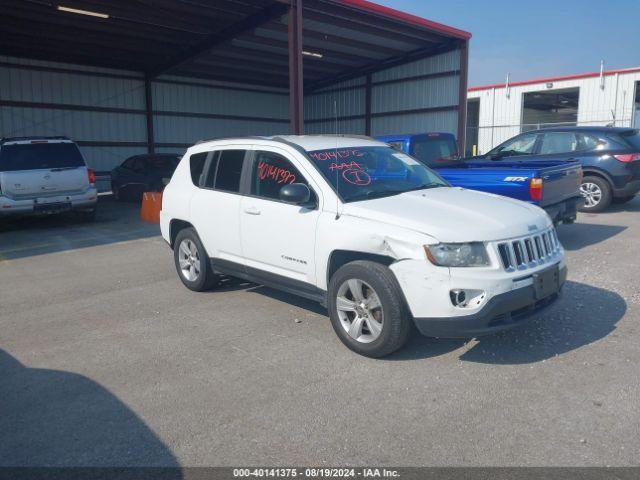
597, 194
188, 251
380, 330
626, 199
116, 192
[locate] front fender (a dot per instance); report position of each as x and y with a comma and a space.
365, 236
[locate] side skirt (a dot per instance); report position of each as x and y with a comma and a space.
271, 280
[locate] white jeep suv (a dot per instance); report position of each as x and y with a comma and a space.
374, 235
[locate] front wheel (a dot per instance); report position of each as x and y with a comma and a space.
367, 310
596, 192
192, 262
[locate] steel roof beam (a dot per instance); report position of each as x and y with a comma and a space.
203, 47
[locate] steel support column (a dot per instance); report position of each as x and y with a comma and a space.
148, 96
367, 105
296, 85
462, 96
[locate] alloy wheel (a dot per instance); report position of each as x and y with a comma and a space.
592, 194
360, 310
189, 259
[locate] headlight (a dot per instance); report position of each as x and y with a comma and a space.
458, 254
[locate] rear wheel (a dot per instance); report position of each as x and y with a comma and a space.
367, 310
192, 262
596, 192
116, 192
626, 199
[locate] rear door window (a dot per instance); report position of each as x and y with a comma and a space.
558, 142
225, 170
39, 156
229, 170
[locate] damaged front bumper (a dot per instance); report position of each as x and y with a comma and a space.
507, 299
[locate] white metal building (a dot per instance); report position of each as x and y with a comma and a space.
497, 112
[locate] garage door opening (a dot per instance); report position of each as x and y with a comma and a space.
550, 108
473, 122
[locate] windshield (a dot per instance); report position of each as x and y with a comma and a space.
35, 156
361, 173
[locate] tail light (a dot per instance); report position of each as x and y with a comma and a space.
627, 157
535, 189
92, 176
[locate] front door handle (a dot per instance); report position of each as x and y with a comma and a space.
252, 211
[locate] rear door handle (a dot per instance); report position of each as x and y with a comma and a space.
252, 211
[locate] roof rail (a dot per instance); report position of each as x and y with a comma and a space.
237, 137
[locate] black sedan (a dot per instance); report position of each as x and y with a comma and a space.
142, 173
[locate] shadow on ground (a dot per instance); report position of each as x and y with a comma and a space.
581, 235
61, 419
115, 222
583, 315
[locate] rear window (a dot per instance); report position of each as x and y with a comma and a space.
35, 156
435, 151
164, 163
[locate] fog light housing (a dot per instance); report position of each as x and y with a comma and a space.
466, 298
457, 297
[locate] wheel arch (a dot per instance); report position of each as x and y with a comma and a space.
175, 226
586, 171
339, 257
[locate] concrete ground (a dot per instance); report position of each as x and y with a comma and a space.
106, 359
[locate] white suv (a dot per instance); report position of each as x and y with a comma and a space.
42, 175
374, 235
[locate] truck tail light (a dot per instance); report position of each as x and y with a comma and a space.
627, 157
92, 176
535, 189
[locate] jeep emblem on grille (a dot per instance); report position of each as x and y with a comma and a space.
532, 228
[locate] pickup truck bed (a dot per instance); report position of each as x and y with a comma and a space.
553, 186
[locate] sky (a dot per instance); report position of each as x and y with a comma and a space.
541, 38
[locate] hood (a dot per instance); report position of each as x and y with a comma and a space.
451, 214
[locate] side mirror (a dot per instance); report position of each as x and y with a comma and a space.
295, 193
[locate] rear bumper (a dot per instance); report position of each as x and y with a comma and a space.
566, 211
502, 312
86, 200
630, 188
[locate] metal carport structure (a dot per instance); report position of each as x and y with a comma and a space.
186, 69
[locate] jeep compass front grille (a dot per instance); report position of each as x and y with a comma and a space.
529, 251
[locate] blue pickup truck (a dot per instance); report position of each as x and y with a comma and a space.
554, 186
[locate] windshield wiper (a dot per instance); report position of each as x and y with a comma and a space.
388, 193
425, 186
